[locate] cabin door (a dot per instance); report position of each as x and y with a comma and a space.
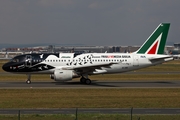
28, 61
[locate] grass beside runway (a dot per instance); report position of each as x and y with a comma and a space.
90, 98
90, 117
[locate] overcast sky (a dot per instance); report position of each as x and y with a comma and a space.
87, 22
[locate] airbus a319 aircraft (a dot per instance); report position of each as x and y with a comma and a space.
66, 66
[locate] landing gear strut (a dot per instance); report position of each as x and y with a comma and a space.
85, 80
28, 81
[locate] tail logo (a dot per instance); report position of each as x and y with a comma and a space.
154, 48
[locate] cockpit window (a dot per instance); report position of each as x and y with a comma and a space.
18, 59
15, 60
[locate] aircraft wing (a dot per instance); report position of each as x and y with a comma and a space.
89, 68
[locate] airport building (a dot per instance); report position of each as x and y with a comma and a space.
177, 46
176, 50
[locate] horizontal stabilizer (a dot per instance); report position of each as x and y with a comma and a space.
156, 59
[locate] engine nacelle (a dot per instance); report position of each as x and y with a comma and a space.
63, 75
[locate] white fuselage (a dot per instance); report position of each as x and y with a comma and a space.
105, 62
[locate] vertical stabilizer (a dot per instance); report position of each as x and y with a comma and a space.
156, 42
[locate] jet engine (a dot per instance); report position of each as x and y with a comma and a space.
63, 75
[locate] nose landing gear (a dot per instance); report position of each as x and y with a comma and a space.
28, 81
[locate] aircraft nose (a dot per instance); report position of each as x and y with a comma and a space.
5, 67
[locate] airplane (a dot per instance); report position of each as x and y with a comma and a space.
66, 66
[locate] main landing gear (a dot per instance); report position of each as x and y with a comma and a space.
28, 81
85, 80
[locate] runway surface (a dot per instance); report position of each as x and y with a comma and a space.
93, 110
94, 84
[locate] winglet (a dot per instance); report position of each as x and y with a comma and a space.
156, 42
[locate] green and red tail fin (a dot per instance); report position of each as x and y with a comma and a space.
156, 42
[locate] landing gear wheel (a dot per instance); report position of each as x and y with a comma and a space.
85, 80
82, 80
28, 82
88, 81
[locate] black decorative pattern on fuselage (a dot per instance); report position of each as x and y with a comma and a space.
28, 63
79, 60
40, 67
